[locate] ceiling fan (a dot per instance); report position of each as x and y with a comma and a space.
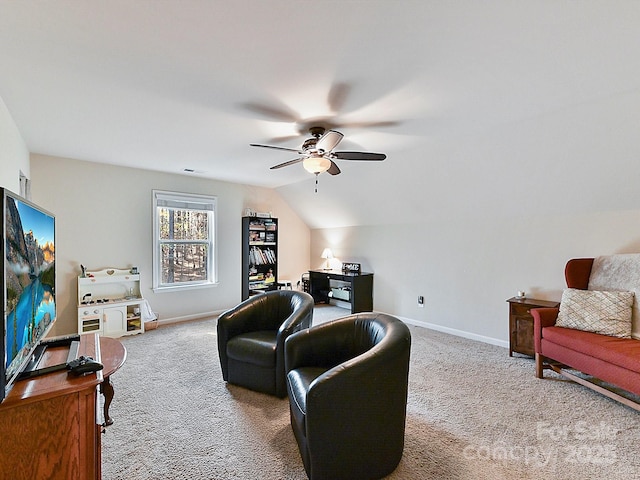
278, 112
317, 154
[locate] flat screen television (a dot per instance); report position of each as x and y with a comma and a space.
28, 283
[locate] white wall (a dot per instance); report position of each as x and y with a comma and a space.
485, 213
103, 219
467, 268
14, 156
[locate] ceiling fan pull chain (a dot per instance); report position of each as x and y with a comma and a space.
316, 183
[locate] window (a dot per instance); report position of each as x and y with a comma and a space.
184, 231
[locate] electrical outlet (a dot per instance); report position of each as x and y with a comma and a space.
420, 301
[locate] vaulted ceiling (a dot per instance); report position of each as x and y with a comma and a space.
188, 84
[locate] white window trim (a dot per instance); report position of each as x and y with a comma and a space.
208, 203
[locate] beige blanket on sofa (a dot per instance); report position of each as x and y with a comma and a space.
619, 272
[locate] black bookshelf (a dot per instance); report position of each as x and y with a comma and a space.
259, 255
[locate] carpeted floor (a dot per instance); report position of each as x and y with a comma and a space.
472, 413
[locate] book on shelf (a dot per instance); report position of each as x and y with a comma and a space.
257, 237
260, 256
256, 225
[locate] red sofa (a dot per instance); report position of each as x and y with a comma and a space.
611, 359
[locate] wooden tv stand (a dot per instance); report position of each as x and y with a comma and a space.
49, 425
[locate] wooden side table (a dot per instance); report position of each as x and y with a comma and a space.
48, 423
521, 323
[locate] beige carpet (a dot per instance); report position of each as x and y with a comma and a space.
473, 413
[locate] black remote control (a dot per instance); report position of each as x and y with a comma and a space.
83, 365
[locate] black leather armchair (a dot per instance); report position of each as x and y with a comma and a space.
251, 338
347, 384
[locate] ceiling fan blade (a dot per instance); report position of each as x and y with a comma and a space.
373, 124
284, 138
286, 164
329, 141
358, 156
333, 169
281, 114
276, 148
338, 95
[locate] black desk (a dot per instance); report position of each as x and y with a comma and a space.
361, 285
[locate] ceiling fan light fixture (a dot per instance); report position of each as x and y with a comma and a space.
316, 165
317, 155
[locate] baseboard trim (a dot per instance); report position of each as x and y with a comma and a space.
188, 318
456, 332
410, 321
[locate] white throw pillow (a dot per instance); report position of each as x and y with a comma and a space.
619, 272
597, 311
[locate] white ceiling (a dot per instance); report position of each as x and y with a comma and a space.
174, 84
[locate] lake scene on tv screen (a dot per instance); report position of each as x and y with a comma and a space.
29, 279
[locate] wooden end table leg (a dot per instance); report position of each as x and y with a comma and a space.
107, 390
